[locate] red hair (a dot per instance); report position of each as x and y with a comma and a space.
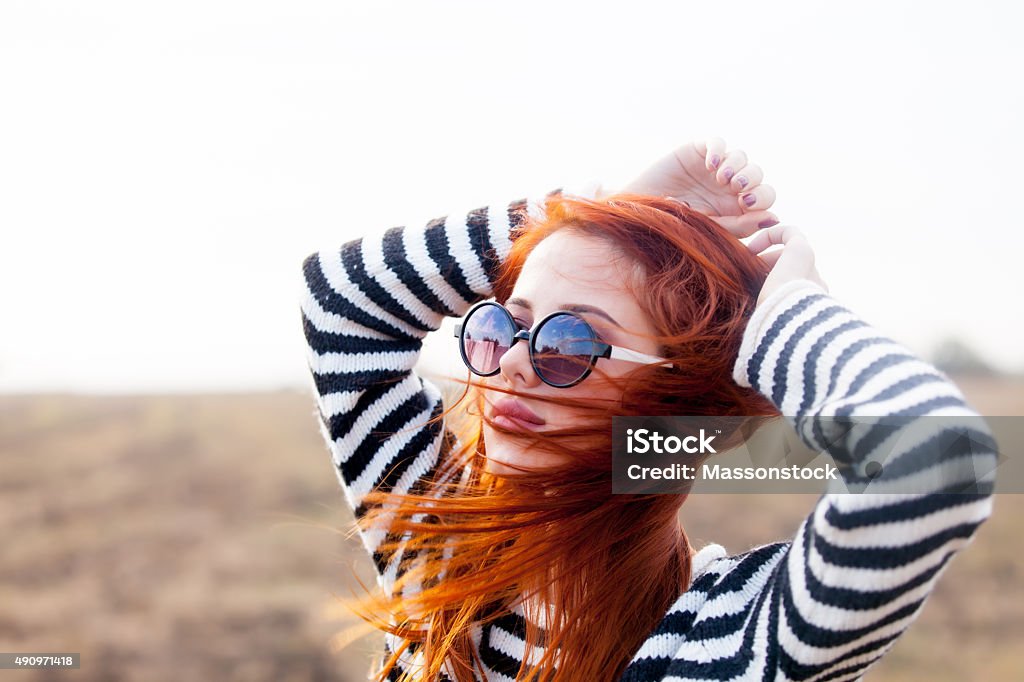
608, 566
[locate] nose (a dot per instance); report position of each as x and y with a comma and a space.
515, 366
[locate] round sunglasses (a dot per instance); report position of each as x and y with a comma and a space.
563, 346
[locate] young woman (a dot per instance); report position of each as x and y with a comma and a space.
501, 552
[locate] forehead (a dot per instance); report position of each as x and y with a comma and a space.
569, 267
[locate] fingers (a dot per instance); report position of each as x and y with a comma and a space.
743, 180
794, 261
732, 167
747, 176
760, 197
714, 152
790, 237
734, 160
748, 223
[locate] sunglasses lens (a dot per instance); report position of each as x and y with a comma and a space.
486, 336
563, 350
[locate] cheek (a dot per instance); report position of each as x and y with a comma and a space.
596, 391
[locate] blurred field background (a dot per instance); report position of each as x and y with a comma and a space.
201, 537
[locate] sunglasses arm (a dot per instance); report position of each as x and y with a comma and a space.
618, 353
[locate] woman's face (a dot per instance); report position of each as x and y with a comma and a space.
566, 271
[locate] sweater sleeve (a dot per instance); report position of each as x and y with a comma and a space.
366, 309
861, 565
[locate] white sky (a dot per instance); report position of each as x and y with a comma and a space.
164, 168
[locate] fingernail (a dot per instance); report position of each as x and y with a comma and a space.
729, 172
749, 199
715, 160
742, 181
768, 222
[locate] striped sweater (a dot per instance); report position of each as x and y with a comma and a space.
822, 606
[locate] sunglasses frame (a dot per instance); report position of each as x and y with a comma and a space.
604, 350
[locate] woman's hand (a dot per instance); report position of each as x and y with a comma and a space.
795, 260
715, 182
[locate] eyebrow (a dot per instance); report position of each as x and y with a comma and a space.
572, 307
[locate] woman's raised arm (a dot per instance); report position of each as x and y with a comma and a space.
366, 309
862, 564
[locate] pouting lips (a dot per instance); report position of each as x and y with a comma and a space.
509, 413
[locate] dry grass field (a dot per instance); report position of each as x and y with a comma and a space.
202, 538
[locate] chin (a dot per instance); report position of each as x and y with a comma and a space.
496, 468
498, 450
501, 450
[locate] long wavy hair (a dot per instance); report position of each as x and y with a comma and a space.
593, 573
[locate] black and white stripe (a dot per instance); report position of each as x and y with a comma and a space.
824, 606
367, 308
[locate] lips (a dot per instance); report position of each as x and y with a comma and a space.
509, 413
